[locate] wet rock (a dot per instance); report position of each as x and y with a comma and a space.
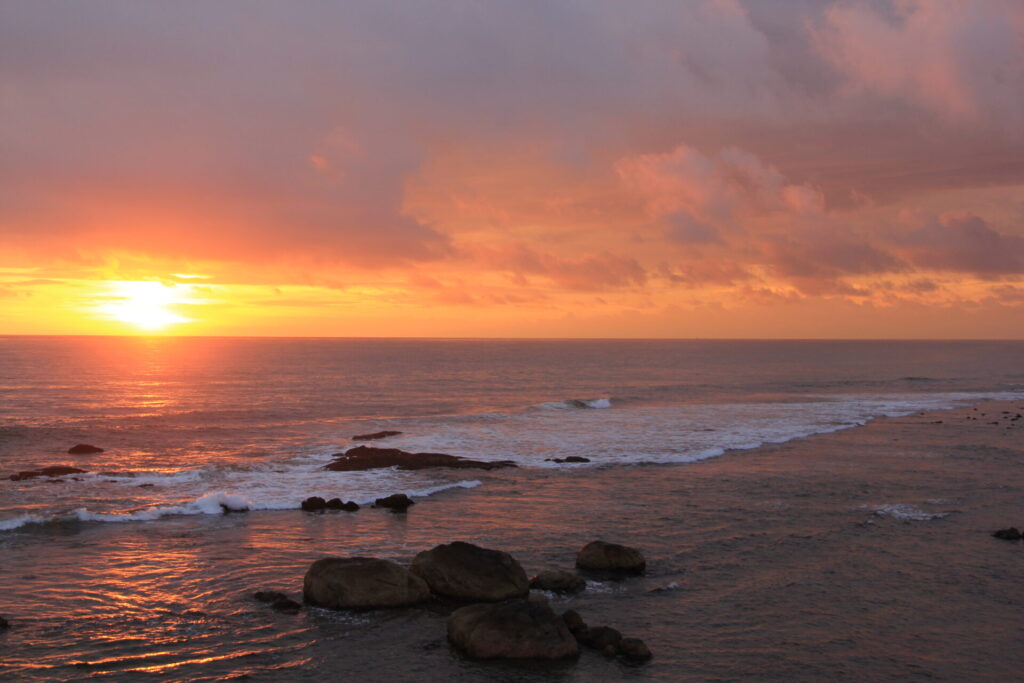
371, 457
558, 581
1011, 534
4, 624
336, 504
314, 504
375, 435
84, 449
571, 458
601, 556
399, 502
574, 621
633, 650
600, 638
516, 629
52, 471
468, 572
277, 600
362, 583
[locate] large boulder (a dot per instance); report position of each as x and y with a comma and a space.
469, 572
558, 582
361, 583
516, 629
601, 556
84, 449
371, 457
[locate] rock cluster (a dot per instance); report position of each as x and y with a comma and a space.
504, 620
318, 504
371, 458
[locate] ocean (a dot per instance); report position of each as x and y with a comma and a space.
132, 567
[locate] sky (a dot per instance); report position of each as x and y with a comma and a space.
537, 168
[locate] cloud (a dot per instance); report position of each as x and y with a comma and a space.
962, 243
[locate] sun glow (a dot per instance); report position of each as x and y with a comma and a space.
144, 304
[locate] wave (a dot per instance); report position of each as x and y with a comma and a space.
577, 403
215, 503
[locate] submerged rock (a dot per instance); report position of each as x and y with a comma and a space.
601, 556
371, 458
362, 583
399, 502
336, 504
277, 600
574, 621
1011, 534
84, 449
517, 629
4, 624
52, 471
314, 504
571, 458
633, 650
375, 435
600, 638
558, 581
468, 572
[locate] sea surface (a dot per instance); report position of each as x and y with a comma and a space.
134, 567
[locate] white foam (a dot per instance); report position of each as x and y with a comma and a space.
22, 520
907, 513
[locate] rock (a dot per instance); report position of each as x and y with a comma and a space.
399, 502
314, 504
336, 504
52, 471
4, 624
571, 458
633, 650
558, 581
362, 583
84, 449
371, 457
600, 637
469, 572
376, 435
603, 556
574, 621
1011, 534
277, 600
516, 629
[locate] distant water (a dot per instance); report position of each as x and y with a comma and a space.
189, 423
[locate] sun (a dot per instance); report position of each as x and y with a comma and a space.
144, 304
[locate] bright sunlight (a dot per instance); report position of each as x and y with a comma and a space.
144, 304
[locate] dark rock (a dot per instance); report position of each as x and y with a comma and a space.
468, 572
574, 621
314, 504
376, 435
362, 583
633, 650
286, 605
600, 637
558, 581
571, 458
516, 629
4, 624
52, 471
1011, 534
601, 556
337, 504
269, 596
399, 502
84, 449
371, 457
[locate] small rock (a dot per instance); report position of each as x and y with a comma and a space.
399, 502
376, 435
633, 650
599, 637
286, 605
516, 629
558, 581
362, 583
4, 624
336, 504
269, 596
84, 449
574, 621
314, 504
1011, 534
51, 471
468, 572
602, 556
